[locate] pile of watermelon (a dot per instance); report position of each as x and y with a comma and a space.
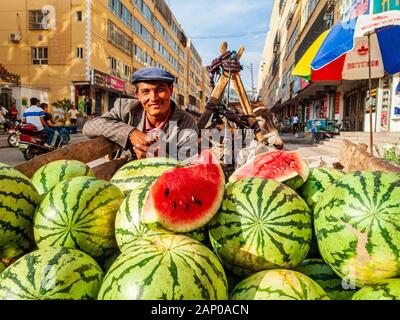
274, 230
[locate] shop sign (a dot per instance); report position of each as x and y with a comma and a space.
396, 108
386, 5
106, 81
337, 103
116, 84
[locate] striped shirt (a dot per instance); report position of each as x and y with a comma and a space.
32, 115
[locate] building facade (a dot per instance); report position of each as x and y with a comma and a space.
87, 51
294, 26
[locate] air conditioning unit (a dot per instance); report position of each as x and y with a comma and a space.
15, 37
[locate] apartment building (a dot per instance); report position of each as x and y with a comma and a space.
87, 51
294, 26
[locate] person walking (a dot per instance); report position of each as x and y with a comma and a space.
73, 112
295, 123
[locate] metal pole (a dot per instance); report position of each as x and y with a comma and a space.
252, 81
370, 95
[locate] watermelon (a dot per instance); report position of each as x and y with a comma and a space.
357, 223
323, 274
18, 201
129, 226
186, 198
281, 166
144, 171
165, 267
262, 224
54, 172
79, 213
318, 181
278, 284
388, 289
52, 274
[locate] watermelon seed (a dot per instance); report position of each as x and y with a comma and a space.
187, 206
198, 202
174, 205
166, 192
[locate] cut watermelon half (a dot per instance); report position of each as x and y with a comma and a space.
184, 199
281, 166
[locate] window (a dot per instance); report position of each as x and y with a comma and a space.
143, 33
127, 71
79, 53
112, 63
40, 55
121, 12
79, 16
38, 19
119, 38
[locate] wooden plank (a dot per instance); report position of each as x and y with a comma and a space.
106, 170
85, 151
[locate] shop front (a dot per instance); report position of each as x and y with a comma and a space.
99, 95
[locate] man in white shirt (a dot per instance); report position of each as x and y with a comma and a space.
74, 115
36, 116
295, 123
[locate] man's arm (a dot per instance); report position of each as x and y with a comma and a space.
112, 125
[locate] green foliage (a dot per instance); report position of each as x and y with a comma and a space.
392, 153
64, 104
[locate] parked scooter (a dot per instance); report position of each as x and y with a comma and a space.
31, 141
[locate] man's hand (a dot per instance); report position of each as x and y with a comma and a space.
140, 142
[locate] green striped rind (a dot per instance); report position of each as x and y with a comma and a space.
165, 267
319, 180
135, 173
18, 201
52, 274
278, 285
54, 172
262, 224
128, 222
79, 213
357, 225
382, 290
323, 274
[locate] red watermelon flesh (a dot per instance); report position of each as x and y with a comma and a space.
186, 198
275, 165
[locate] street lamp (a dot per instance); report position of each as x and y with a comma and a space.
252, 80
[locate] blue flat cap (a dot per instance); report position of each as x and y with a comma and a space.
152, 74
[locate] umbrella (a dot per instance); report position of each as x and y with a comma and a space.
344, 52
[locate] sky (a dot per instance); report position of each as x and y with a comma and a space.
239, 22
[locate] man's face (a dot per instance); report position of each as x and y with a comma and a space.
155, 97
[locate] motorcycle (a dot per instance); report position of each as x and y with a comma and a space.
13, 134
31, 141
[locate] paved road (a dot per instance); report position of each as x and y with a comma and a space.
13, 156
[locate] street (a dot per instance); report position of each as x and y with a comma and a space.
13, 156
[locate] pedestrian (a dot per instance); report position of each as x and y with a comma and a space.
136, 124
13, 111
73, 112
295, 123
36, 116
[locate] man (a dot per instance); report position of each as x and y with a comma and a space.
137, 125
295, 123
36, 116
74, 115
